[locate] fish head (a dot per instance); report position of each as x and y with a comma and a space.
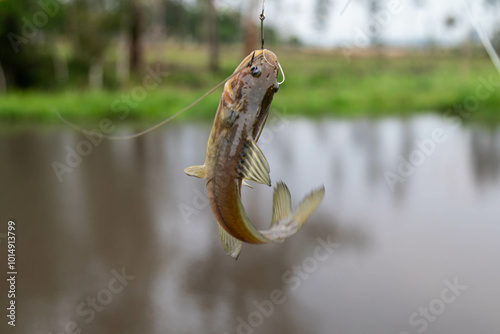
250, 91
258, 72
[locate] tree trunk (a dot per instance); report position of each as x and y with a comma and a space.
135, 37
250, 29
3, 82
251, 36
122, 60
213, 42
466, 51
96, 75
61, 71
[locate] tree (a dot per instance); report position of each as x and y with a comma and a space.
420, 3
24, 59
3, 83
251, 28
92, 25
213, 41
135, 33
450, 22
492, 3
251, 33
322, 9
373, 7
182, 22
495, 6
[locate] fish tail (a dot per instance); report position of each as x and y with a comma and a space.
286, 223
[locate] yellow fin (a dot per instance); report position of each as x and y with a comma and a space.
246, 184
284, 224
231, 245
282, 203
253, 164
196, 171
308, 205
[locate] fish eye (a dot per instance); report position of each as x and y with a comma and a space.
255, 71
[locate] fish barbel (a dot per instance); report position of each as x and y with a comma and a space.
233, 157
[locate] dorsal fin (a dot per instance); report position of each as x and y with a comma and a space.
253, 165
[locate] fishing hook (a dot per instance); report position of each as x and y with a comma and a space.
282, 73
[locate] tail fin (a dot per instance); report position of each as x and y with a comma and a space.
284, 224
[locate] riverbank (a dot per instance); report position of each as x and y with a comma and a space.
317, 84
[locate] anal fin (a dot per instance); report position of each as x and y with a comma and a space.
253, 164
231, 245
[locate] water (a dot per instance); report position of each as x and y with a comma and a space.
129, 205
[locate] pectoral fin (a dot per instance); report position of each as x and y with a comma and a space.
231, 245
253, 165
196, 171
246, 184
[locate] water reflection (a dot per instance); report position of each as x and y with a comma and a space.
486, 156
125, 206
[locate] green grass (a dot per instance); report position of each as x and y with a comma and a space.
317, 84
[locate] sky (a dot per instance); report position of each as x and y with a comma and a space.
400, 21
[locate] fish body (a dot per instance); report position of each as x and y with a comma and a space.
233, 156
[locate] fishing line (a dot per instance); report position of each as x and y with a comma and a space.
262, 17
154, 127
484, 38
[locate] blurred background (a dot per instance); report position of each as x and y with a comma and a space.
394, 106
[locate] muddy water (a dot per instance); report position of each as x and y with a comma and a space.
406, 241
